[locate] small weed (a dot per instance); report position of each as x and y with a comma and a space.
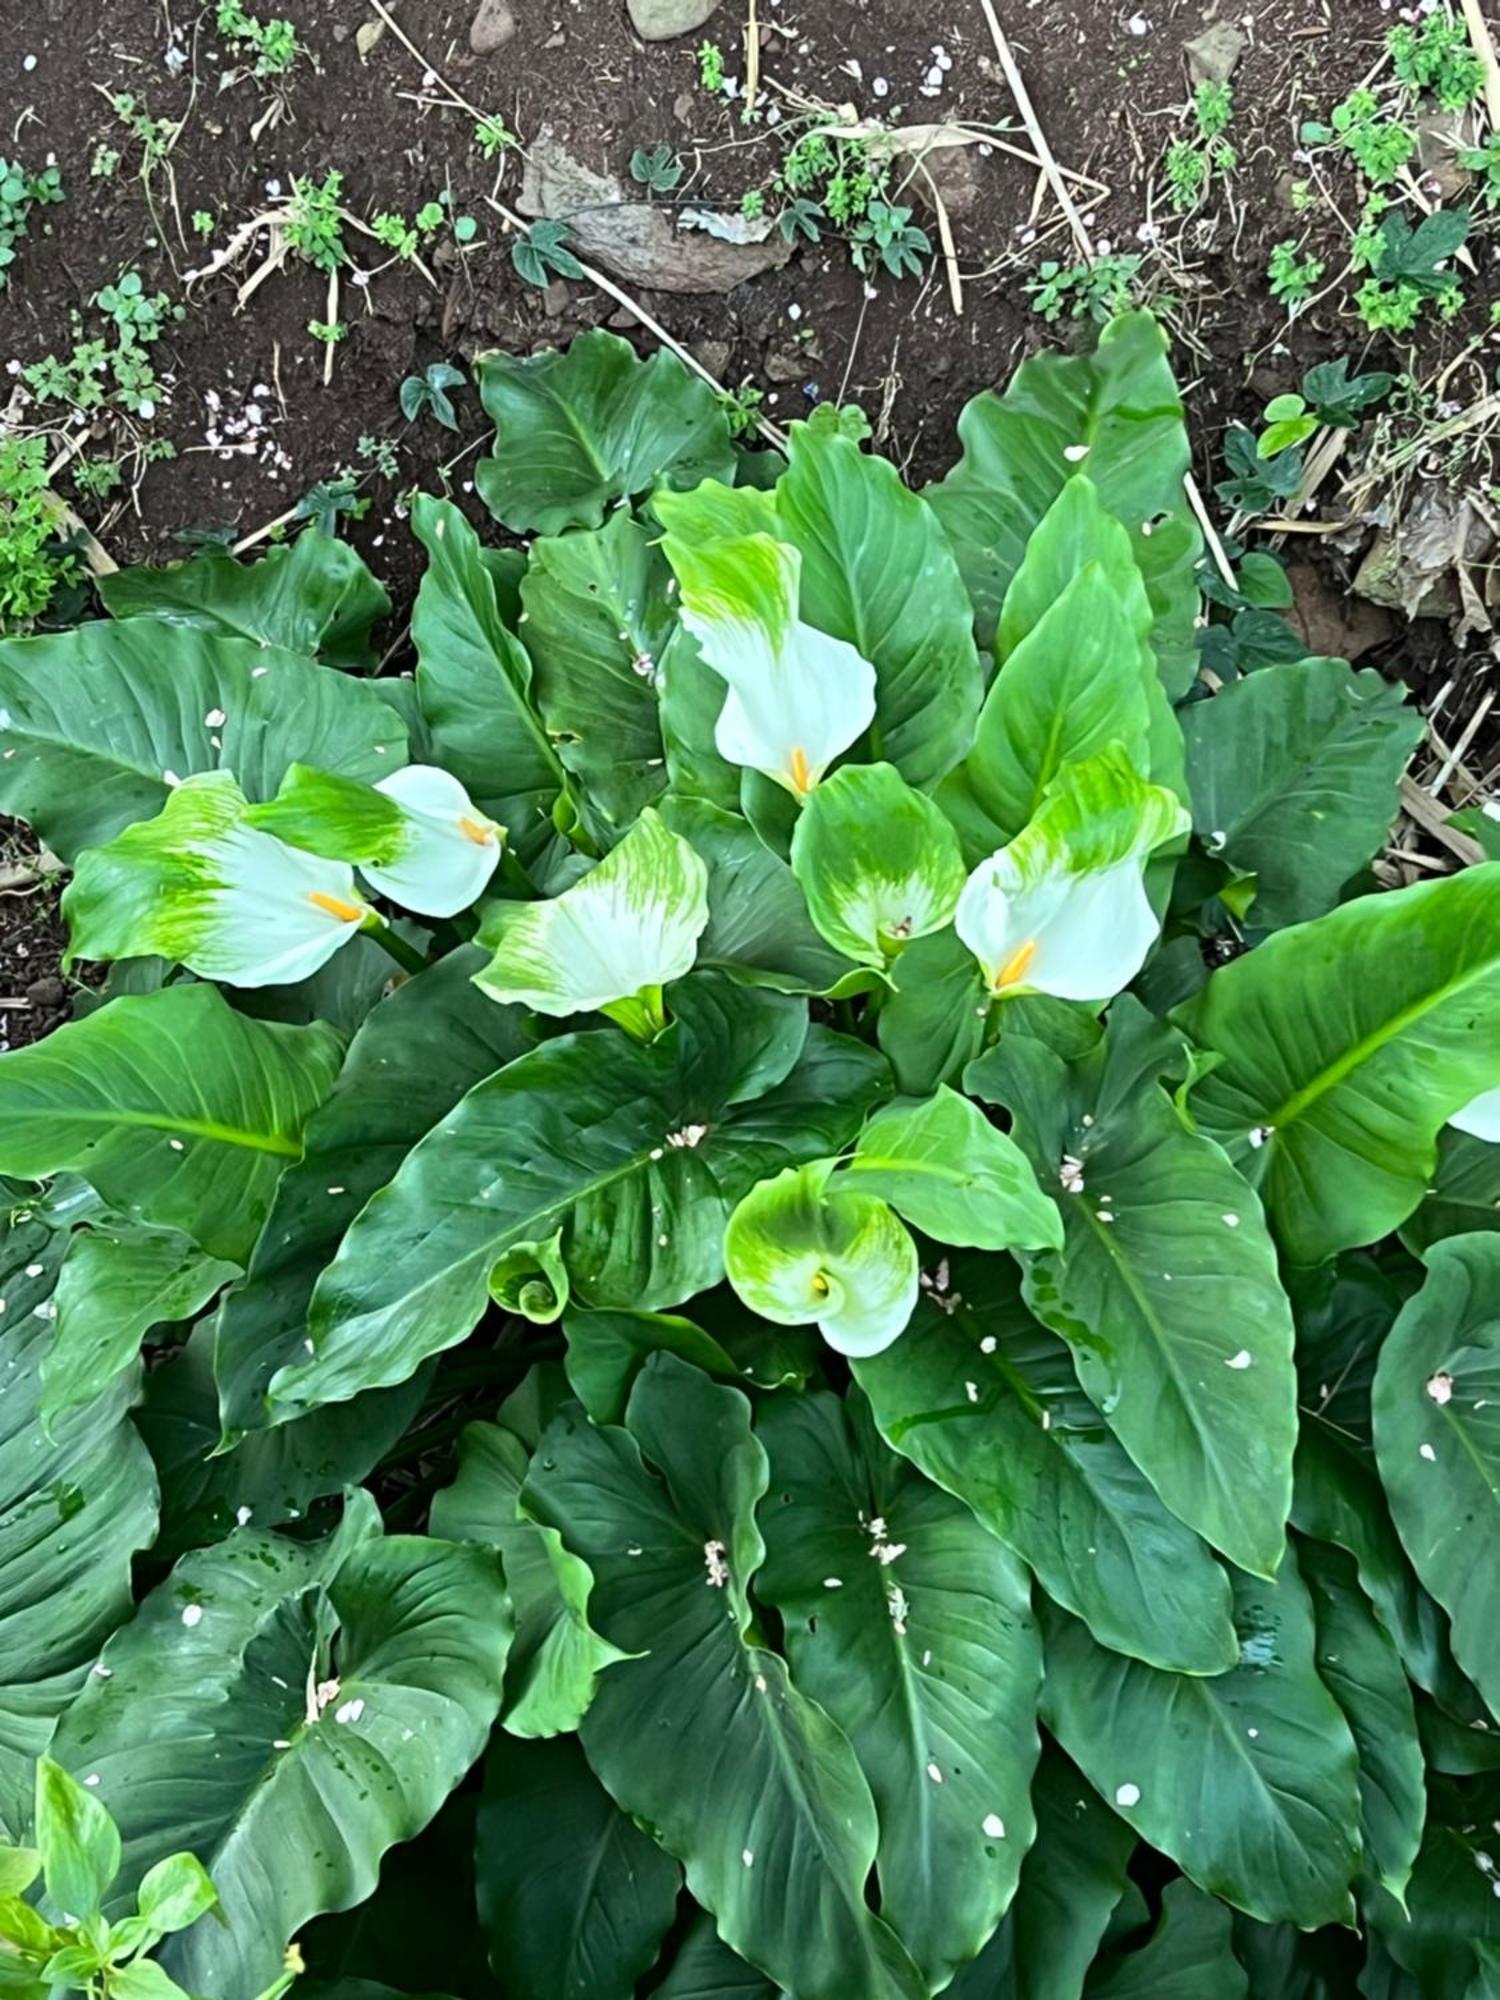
493, 136
802, 218
742, 408
380, 453
104, 163
155, 136
313, 227
273, 43
1256, 483
1341, 400
113, 372
659, 170
711, 66
203, 222
329, 331
1484, 162
396, 234
465, 229
324, 502
1213, 106
1192, 161
429, 391
1408, 268
1084, 291
98, 477
542, 253
753, 204
20, 193
1381, 145
887, 235
31, 568
1293, 275
1436, 59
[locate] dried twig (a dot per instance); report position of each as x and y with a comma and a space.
1484, 47
1433, 818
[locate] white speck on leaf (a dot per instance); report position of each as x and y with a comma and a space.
1440, 1388
994, 1826
192, 1615
1426, 1451
1127, 1795
1241, 1360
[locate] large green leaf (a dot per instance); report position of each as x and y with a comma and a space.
1464, 1194
706, 1969
174, 1107
933, 1025
116, 1283
759, 929
987, 1403
313, 595
1436, 1405
705, 1737
234, 1722
474, 683
1361, 1669
74, 1509
576, 1899
1344, 1046
413, 1059
1120, 404
637, 1153
1248, 1780
556, 1656
97, 724
581, 430
1453, 1925
1187, 1957
1295, 775
597, 618
1166, 1287
911, 1624
1071, 1880
877, 572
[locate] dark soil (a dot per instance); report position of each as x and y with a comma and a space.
1109, 97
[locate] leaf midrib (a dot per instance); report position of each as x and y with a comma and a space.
195, 1128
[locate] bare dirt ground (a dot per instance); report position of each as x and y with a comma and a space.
254, 424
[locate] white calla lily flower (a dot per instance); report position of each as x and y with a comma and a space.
1480, 1118
448, 849
797, 698
1063, 908
201, 886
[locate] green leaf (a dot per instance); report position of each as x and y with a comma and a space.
144, 1979
1269, 1820
704, 1737
114, 1286
175, 1893
581, 430
934, 1024
1464, 1193
606, 1351
878, 863
1344, 1046
576, 1899
952, 1175
418, 1052
911, 1625
597, 618
1295, 775
201, 1736
556, 1656
74, 1509
759, 928
706, 1969
1072, 687
617, 1144
78, 1841
19, 1868
1437, 1438
1188, 1955
1121, 403
877, 572
474, 683
178, 1109
1071, 1881
986, 1403
313, 596
1166, 1286
1361, 1668
177, 701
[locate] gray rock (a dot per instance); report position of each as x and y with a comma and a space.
714, 355
785, 364
634, 241
492, 27
1211, 56
952, 170
660, 20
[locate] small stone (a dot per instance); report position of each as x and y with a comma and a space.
555, 299
47, 992
784, 364
660, 20
623, 321
714, 355
1211, 56
492, 27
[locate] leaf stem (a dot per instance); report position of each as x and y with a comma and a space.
406, 955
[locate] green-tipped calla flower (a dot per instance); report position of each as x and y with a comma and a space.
417, 836
878, 862
532, 1279
802, 1252
1063, 909
1481, 1117
200, 885
612, 941
797, 698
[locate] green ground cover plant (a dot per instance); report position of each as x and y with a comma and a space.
781, 1281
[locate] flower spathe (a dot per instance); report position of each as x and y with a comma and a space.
1480, 1118
449, 849
1063, 908
611, 941
200, 885
797, 698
